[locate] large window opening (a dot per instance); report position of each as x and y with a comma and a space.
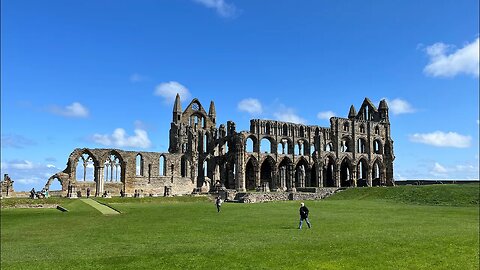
85, 168
112, 169
139, 165
162, 166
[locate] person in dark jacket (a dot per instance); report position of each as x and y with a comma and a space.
218, 203
303, 216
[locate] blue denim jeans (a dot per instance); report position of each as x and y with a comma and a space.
301, 222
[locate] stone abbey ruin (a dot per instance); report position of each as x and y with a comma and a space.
353, 151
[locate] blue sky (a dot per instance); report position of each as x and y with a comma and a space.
102, 74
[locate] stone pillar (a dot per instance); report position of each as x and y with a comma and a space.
354, 176
290, 177
100, 181
240, 167
369, 177
320, 175
337, 177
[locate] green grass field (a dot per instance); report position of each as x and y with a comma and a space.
365, 228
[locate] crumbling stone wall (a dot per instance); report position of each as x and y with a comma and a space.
353, 151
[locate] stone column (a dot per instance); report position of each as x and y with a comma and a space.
369, 178
290, 177
320, 175
354, 176
240, 170
100, 181
337, 177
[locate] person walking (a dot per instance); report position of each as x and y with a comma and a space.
303, 216
218, 203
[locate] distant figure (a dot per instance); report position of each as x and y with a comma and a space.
218, 203
122, 194
303, 216
88, 192
32, 193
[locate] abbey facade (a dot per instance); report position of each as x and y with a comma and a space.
272, 156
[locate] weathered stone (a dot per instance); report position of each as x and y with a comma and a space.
357, 150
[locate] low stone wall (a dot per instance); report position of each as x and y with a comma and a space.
285, 196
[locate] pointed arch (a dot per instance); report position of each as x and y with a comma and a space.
329, 168
251, 169
267, 170
85, 167
362, 145
377, 146
139, 165
162, 165
302, 172
251, 144
113, 167
346, 178
377, 173
362, 172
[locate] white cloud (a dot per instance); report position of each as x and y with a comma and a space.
325, 115
74, 110
250, 105
26, 173
15, 141
460, 171
288, 115
442, 64
223, 9
169, 90
442, 139
119, 138
21, 165
439, 169
30, 181
399, 106
135, 77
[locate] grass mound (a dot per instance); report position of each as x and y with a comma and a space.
449, 195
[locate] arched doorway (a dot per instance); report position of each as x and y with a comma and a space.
302, 173
345, 173
329, 172
250, 174
266, 172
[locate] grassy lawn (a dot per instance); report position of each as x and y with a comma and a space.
361, 228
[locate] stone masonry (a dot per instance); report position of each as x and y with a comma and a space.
204, 157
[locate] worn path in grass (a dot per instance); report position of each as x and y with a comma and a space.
100, 207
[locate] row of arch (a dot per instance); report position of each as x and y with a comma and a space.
332, 173
285, 146
284, 129
113, 167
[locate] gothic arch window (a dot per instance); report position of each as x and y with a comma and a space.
302, 131
328, 147
162, 166
362, 128
377, 130
345, 145
346, 127
361, 146
112, 169
285, 130
377, 147
184, 167
139, 165
268, 128
205, 143
85, 168
249, 145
